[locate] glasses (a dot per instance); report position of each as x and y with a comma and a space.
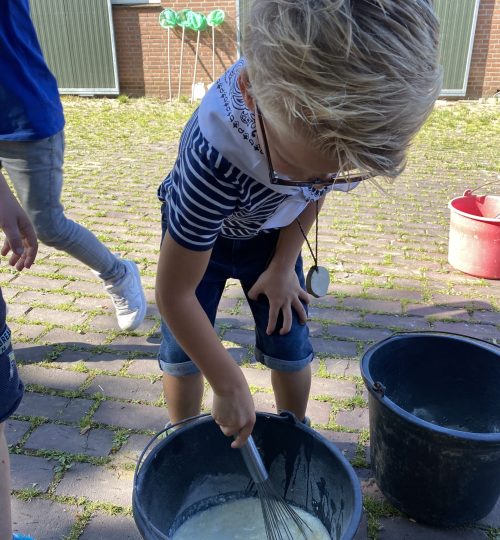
333, 179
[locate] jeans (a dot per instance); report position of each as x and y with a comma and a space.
244, 260
35, 169
11, 387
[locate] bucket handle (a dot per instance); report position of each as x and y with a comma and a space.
469, 192
161, 432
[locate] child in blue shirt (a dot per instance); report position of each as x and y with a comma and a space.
328, 94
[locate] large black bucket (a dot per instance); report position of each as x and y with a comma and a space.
434, 403
195, 468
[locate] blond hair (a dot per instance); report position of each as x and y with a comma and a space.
358, 76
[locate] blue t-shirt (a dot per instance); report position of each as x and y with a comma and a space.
30, 107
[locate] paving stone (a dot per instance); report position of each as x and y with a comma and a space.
355, 419
105, 361
42, 519
27, 353
239, 336
318, 411
106, 527
145, 344
487, 317
264, 402
68, 337
354, 332
397, 321
258, 377
48, 298
337, 315
403, 529
338, 389
131, 415
383, 306
25, 279
59, 379
481, 331
345, 442
95, 442
144, 366
31, 471
69, 357
14, 430
97, 484
54, 407
100, 323
346, 368
16, 309
27, 331
130, 452
334, 347
126, 388
55, 316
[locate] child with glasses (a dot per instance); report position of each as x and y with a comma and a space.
328, 93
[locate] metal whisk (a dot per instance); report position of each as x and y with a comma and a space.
276, 511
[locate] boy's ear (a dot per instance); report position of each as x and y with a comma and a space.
245, 88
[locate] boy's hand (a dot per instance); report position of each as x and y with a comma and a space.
20, 236
284, 292
235, 415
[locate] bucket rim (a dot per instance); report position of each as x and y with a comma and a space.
472, 216
285, 416
371, 385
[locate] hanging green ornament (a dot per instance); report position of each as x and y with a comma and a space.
168, 18
216, 17
198, 21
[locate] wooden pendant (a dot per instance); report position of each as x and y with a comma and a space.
317, 281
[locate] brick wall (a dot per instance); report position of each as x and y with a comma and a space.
142, 47
484, 74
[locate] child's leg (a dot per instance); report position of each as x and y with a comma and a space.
291, 390
183, 395
5, 514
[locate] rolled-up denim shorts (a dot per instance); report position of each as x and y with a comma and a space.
244, 260
11, 387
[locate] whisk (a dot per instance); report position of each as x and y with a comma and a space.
276, 511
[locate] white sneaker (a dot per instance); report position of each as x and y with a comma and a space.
128, 298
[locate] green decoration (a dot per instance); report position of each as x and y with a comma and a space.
216, 17
168, 18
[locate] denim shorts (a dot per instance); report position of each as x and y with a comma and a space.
11, 387
244, 260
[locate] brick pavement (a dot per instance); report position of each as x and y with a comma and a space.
93, 395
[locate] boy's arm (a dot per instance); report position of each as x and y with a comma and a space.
180, 270
279, 281
20, 236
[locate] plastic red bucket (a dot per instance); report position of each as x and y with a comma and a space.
474, 244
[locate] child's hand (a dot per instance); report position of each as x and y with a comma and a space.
284, 292
235, 414
20, 236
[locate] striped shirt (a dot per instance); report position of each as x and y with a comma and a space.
219, 184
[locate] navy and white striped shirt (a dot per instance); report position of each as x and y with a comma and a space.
220, 181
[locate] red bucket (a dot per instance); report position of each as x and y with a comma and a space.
474, 246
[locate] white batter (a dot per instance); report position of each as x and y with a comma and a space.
242, 520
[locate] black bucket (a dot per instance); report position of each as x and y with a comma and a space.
434, 403
195, 468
